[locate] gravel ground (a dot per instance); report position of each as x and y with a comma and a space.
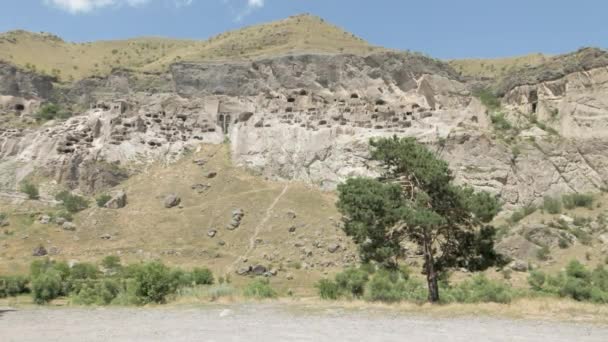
273, 322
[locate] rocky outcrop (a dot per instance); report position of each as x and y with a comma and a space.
310, 117
24, 84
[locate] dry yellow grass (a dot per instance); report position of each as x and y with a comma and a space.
495, 67
145, 230
51, 55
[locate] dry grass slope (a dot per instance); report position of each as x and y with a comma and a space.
498, 67
145, 230
50, 54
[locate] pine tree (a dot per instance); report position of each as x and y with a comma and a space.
416, 199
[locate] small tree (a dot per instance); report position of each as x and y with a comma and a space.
30, 190
416, 199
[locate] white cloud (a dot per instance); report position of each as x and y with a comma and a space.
255, 3
85, 6
251, 6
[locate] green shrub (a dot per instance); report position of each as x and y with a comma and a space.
72, 203
577, 282
522, 213
563, 243
111, 264
102, 200
101, 292
82, 271
51, 111
488, 99
572, 201
352, 281
579, 221
259, 289
47, 286
544, 253
500, 122
479, 289
584, 237
30, 190
552, 205
153, 282
202, 276
64, 214
328, 289
385, 287
11, 286
536, 280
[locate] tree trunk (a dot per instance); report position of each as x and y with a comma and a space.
431, 274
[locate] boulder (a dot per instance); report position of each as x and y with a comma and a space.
603, 238
60, 221
237, 216
172, 200
44, 219
118, 200
40, 251
291, 215
243, 271
211, 174
259, 270
212, 233
567, 219
106, 237
69, 226
518, 266
333, 247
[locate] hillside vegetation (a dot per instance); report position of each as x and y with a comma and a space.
50, 54
496, 67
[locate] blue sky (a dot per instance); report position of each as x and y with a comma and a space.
441, 28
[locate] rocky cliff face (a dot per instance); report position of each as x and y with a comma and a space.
309, 118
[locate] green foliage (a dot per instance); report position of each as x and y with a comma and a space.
416, 199
584, 237
259, 289
64, 214
500, 122
544, 253
30, 190
488, 99
479, 289
391, 286
552, 205
51, 111
202, 276
47, 286
352, 281
101, 292
371, 209
572, 201
328, 289
102, 200
577, 282
522, 213
11, 286
111, 264
153, 282
133, 284
72, 203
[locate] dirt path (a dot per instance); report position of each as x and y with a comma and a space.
273, 322
259, 226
